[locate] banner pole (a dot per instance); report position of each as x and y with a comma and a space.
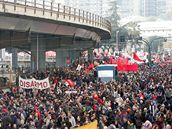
10, 78
37, 43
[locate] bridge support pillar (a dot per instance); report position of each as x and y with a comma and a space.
14, 59
90, 55
38, 55
74, 54
61, 57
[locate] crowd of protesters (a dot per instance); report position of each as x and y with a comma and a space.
141, 100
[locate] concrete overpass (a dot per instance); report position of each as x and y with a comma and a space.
39, 27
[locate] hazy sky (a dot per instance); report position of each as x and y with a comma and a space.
59, 1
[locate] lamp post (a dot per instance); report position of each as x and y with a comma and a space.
117, 40
149, 44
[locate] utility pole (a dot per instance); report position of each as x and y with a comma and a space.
149, 45
117, 39
37, 52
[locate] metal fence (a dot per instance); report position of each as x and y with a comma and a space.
55, 11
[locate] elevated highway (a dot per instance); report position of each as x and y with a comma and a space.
42, 26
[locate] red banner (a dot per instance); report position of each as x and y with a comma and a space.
128, 67
135, 56
125, 65
70, 82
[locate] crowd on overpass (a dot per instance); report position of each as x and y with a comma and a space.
135, 100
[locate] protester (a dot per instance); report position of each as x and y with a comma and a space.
135, 100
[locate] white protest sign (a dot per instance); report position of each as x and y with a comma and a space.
33, 83
70, 92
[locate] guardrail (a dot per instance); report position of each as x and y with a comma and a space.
55, 11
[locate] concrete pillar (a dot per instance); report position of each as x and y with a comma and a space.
61, 56
74, 54
14, 59
90, 55
38, 48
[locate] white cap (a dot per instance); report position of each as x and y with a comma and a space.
168, 126
147, 125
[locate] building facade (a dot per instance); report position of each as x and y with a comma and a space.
157, 8
93, 6
169, 9
148, 8
145, 8
128, 8
161, 8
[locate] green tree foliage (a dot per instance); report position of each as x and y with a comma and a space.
129, 31
114, 19
132, 30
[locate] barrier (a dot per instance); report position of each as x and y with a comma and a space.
54, 11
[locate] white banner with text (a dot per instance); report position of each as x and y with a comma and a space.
34, 84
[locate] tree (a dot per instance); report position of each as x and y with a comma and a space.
128, 31
133, 30
114, 19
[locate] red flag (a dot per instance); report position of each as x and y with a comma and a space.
125, 65
162, 65
132, 67
121, 55
114, 61
169, 61
70, 82
37, 111
121, 62
136, 57
90, 67
100, 100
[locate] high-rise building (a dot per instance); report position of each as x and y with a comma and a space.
59, 1
161, 8
93, 6
106, 7
148, 8
125, 8
136, 7
128, 8
158, 8
145, 8
71, 3
169, 9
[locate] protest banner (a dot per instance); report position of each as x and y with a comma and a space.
70, 92
33, 83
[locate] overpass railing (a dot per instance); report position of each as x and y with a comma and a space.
55, 11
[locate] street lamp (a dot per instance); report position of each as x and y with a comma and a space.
149, 44
117, 40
